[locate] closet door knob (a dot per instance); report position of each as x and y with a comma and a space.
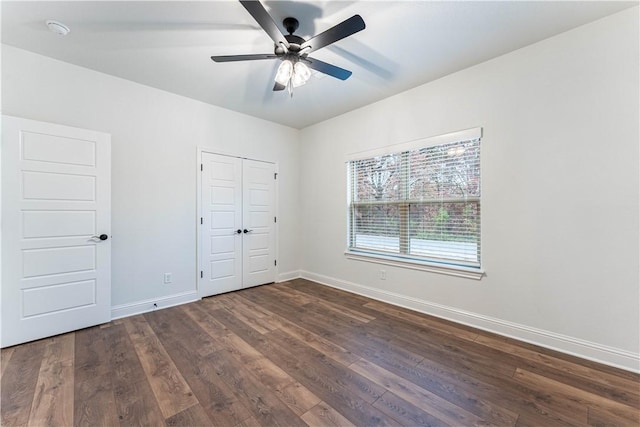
247, 231
239, 231
101, 237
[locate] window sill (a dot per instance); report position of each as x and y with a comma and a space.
448, 269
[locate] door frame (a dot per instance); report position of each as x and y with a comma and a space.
200, 151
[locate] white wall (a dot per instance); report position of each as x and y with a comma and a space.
154, 140
560, 183
560, 192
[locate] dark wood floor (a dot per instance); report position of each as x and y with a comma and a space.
299, 353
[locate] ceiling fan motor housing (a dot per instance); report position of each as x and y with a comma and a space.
291, 24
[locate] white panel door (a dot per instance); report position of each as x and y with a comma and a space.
237, 224
221, 220
258, 246
56, 203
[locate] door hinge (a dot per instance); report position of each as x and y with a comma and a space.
201, 275
201, 167
275, 175
275, 219
275, 262
201, 220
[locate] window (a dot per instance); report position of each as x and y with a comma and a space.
420, 205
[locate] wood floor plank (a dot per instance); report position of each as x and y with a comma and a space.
298, 398
300, 298
135, 402
353, 338
261, 367
406, 413
595, 381
256, 319
19, 383
192, 416
169, 387
257, 309
423, 320
416, 395
335, 317
356, 384
249, 422
200, 314
297, 298
592, 401
328, 293
124, 363
349, 312
5, 357
53, 399
494, 397
529, 419
330, 390
602, 418
219, 401
94, 401
327, 389
444, 353
363, 341
438, 346
321, 344
323, 415
264, 403
351, 407
293, 394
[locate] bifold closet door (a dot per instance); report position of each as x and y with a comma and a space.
237, 225
258, 222
221, 220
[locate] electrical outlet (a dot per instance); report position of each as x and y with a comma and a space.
167, 278
383, 274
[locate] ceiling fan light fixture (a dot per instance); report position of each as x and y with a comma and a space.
285, 70
301, 74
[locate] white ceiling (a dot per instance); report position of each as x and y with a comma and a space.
168, 45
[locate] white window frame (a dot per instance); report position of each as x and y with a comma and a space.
399, 260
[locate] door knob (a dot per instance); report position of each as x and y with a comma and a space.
239, 231
101, 237
247, 231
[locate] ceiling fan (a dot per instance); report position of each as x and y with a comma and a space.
293, 50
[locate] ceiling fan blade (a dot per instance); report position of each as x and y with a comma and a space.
333, 34
265, 20
233, 58
331, 70
278, 86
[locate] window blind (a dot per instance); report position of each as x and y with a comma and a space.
422, 203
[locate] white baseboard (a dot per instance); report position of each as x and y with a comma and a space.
574, 346
139, 307
289, 275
